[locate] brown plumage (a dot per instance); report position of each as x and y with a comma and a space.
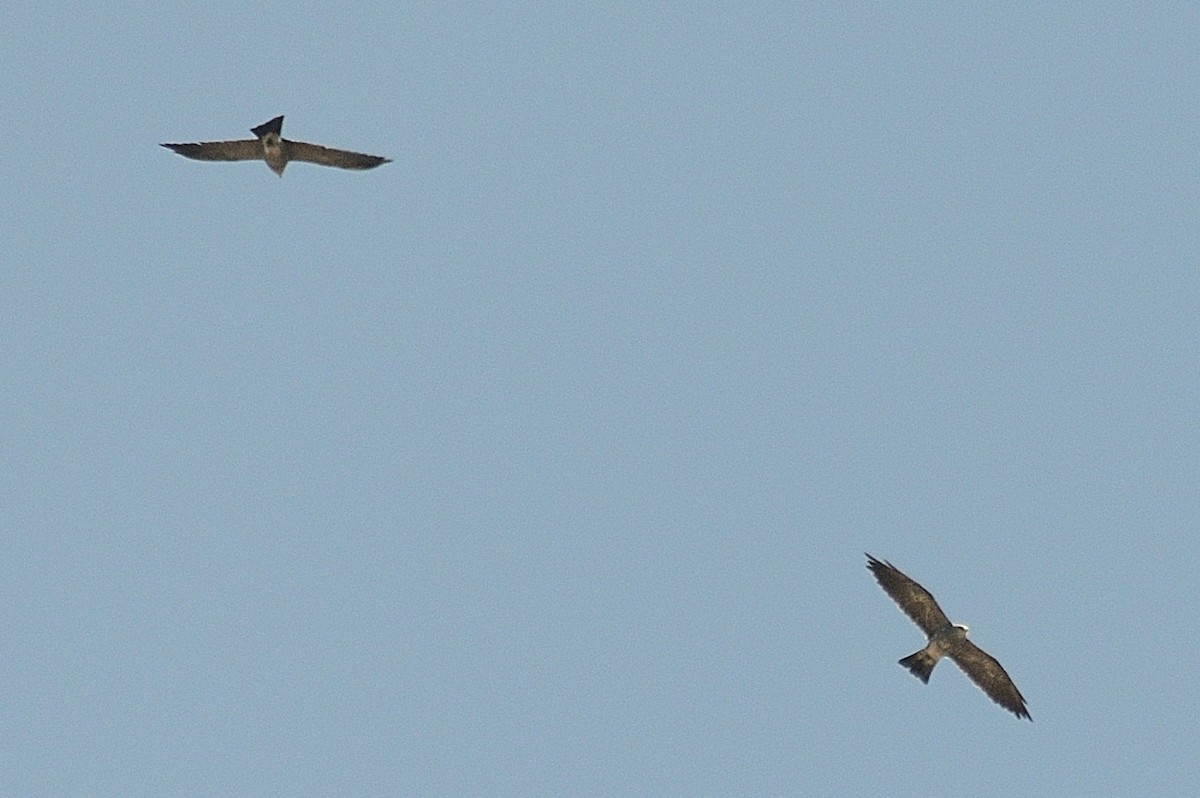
270, 146
946, 639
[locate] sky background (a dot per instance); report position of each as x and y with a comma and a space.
542, 461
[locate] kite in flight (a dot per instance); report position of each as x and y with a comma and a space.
277, 151
946, 640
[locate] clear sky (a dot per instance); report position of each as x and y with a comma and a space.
542, 461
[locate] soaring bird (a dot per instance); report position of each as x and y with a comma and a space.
946, 639
268, 145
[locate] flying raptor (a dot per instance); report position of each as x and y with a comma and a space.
268, 145
946, 639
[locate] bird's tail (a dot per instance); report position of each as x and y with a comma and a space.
274, 126
921, 664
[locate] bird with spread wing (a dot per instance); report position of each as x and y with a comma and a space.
946, 639
270, 146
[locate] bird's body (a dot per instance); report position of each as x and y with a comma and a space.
946, 639
270, 146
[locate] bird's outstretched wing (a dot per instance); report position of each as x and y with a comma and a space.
246, 150
916, 602
983, 669
327, 156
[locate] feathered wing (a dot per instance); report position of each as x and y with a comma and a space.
983, 669
327, 156
916, 602
247, 150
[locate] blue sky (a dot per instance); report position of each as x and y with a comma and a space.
542, 460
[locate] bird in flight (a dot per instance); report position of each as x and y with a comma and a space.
946, 639
268, 145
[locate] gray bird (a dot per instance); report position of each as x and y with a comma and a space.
277, 151
946, 639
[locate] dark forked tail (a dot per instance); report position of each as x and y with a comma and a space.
921, 665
